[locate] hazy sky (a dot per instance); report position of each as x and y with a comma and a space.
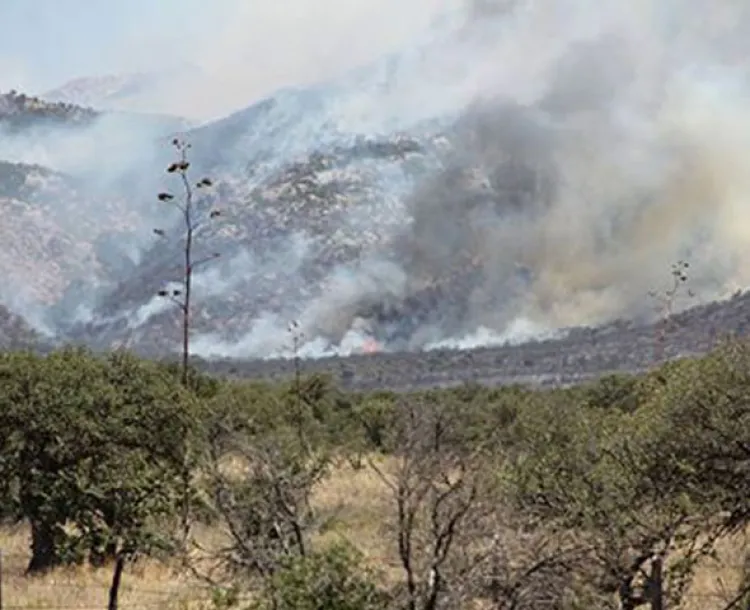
46, 42
254, 44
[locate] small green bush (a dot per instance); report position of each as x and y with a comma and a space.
334, 579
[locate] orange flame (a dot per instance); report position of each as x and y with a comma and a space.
370, 346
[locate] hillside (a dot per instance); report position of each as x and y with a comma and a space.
406, 239
72, 222
20, 111
412, 207
275, 241
349, 208
15, 332
574, 356
141, 92
98, 92
323, 239
55, 232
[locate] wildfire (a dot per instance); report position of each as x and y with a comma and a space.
370, 346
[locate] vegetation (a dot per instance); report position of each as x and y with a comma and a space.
610, 495
19, 111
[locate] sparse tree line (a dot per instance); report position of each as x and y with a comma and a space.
20, 110
601, 496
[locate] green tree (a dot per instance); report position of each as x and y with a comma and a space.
614, 392
608, 476
91, 453
332, 579
701, 421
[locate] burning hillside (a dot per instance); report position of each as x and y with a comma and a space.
528, 170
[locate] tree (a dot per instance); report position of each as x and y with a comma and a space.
93, 454
153, 427
665, 302
702, 421
611, 477
527, 568
439, 494
332, 579
262, 466
194, 217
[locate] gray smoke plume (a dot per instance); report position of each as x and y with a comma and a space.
594, 144
578, 149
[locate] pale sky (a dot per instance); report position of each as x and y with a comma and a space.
44, 43
255, 45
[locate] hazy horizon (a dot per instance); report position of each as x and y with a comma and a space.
243, 51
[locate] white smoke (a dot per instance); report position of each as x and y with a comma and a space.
643, 110
639, 111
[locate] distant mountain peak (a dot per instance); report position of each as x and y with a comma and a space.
98, 91
127, 91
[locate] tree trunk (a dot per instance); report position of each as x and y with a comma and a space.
114, 589
102, 550
656, 586
44, 554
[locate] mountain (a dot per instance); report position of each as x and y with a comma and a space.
386, 238
304, 203
131, 92
16, 333
275, 241
71, 224
19, 111
53, 232
405, 214
98, 91
391, 239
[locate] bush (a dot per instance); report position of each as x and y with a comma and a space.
334, 579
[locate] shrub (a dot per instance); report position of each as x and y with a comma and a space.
334, 579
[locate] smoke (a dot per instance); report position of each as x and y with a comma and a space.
79, 207
594, 144
101, 152
586, 147
221, 55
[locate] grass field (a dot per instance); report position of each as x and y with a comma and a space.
355, 506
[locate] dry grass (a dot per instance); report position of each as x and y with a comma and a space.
148, 585
354, 504
717, 580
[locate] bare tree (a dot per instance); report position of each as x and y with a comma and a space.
532, 570
194, 219
265, 508
459, 540
260, 472
437, 489
297, 336
665, 304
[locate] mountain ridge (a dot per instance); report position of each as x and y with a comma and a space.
415, 209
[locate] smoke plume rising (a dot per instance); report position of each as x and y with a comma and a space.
630, 125
589, 146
